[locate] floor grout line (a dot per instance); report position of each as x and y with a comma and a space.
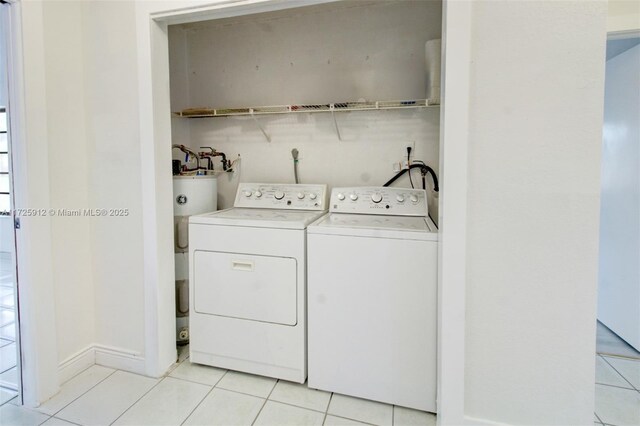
82, 394
137, 400
614, 386
264, 403
622, 375
197, 405
598, 417
326, 412
205, 397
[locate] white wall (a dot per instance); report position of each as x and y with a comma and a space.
68, 177
623, 15
533, 197
112, 103
320, 54
619, 291
533, 201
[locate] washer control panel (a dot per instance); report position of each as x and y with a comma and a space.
281, 196
379, 200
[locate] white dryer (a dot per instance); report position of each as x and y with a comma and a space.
248, 280
372, 283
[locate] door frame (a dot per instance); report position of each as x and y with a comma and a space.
27, 127
155, 128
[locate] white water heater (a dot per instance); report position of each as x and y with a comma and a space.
191, 195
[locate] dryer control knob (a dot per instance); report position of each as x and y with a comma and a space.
400, 198
300, 195
353, 196
340, 196
313, 196
247, 193
376, 198
414, 199
258, 194
279, 195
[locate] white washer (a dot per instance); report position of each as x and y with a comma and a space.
372, 283
248, 280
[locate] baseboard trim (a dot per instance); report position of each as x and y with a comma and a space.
120, 359
76, 363
474, 421
107, 356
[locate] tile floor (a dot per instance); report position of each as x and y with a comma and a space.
617, 391
8, 348
192, 394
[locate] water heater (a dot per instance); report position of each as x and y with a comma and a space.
191, 195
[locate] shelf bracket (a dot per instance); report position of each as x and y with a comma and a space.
332, 107
267, 137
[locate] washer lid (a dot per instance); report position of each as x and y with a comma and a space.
260, 218
377, 226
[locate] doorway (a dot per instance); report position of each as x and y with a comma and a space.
618, 327
10, 371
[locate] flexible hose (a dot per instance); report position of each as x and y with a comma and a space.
294, 154
424, 169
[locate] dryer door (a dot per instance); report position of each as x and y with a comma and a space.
246, 286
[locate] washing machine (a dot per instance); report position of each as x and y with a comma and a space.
372, 290
248, 280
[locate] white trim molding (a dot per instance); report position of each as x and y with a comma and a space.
454, 133
107, 356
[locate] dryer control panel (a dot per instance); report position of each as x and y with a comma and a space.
379, 200
281, 196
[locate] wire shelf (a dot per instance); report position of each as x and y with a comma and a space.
286, 109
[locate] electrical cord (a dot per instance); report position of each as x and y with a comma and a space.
409, 165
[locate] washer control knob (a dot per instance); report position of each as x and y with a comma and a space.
414, 199
353, 196
340, 196
400, 198
247, 194
300, 195
376, 198
258, 194
313, 196
279, 195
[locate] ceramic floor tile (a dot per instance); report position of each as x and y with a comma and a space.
7, 301
8, 357
607, 375
198, 373
222, 408
407, 417
13, 415
169, 403
300, 395
9, 379
247, 383
108, 400
183, 353
75, 387
6, 395
5, 342
7, 316
277, 414
630, 369
53, 421
5, 291
340, 421
361, 409
8, 332
616, 406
